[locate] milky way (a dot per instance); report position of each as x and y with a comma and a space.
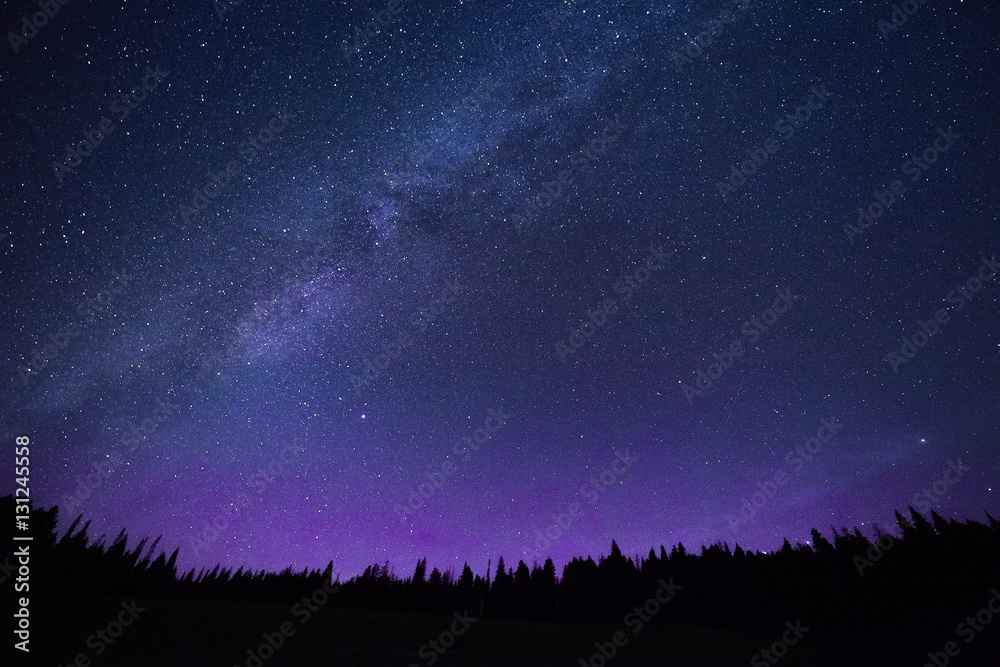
462, 280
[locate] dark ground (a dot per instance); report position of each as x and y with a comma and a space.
181, 633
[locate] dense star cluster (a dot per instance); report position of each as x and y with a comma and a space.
381, 281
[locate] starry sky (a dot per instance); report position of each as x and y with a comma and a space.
373, 281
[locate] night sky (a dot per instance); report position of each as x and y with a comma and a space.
275, 267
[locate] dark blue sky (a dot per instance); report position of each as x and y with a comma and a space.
289, 268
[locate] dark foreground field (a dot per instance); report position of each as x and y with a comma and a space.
179, 633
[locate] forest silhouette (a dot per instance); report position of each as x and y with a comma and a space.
923, 576
923, 564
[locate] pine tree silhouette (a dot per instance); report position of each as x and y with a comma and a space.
821, 582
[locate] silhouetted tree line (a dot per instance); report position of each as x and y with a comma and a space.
924, 570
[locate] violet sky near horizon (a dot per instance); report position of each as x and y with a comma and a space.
399, 178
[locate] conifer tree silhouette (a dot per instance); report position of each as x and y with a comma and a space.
821, 582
